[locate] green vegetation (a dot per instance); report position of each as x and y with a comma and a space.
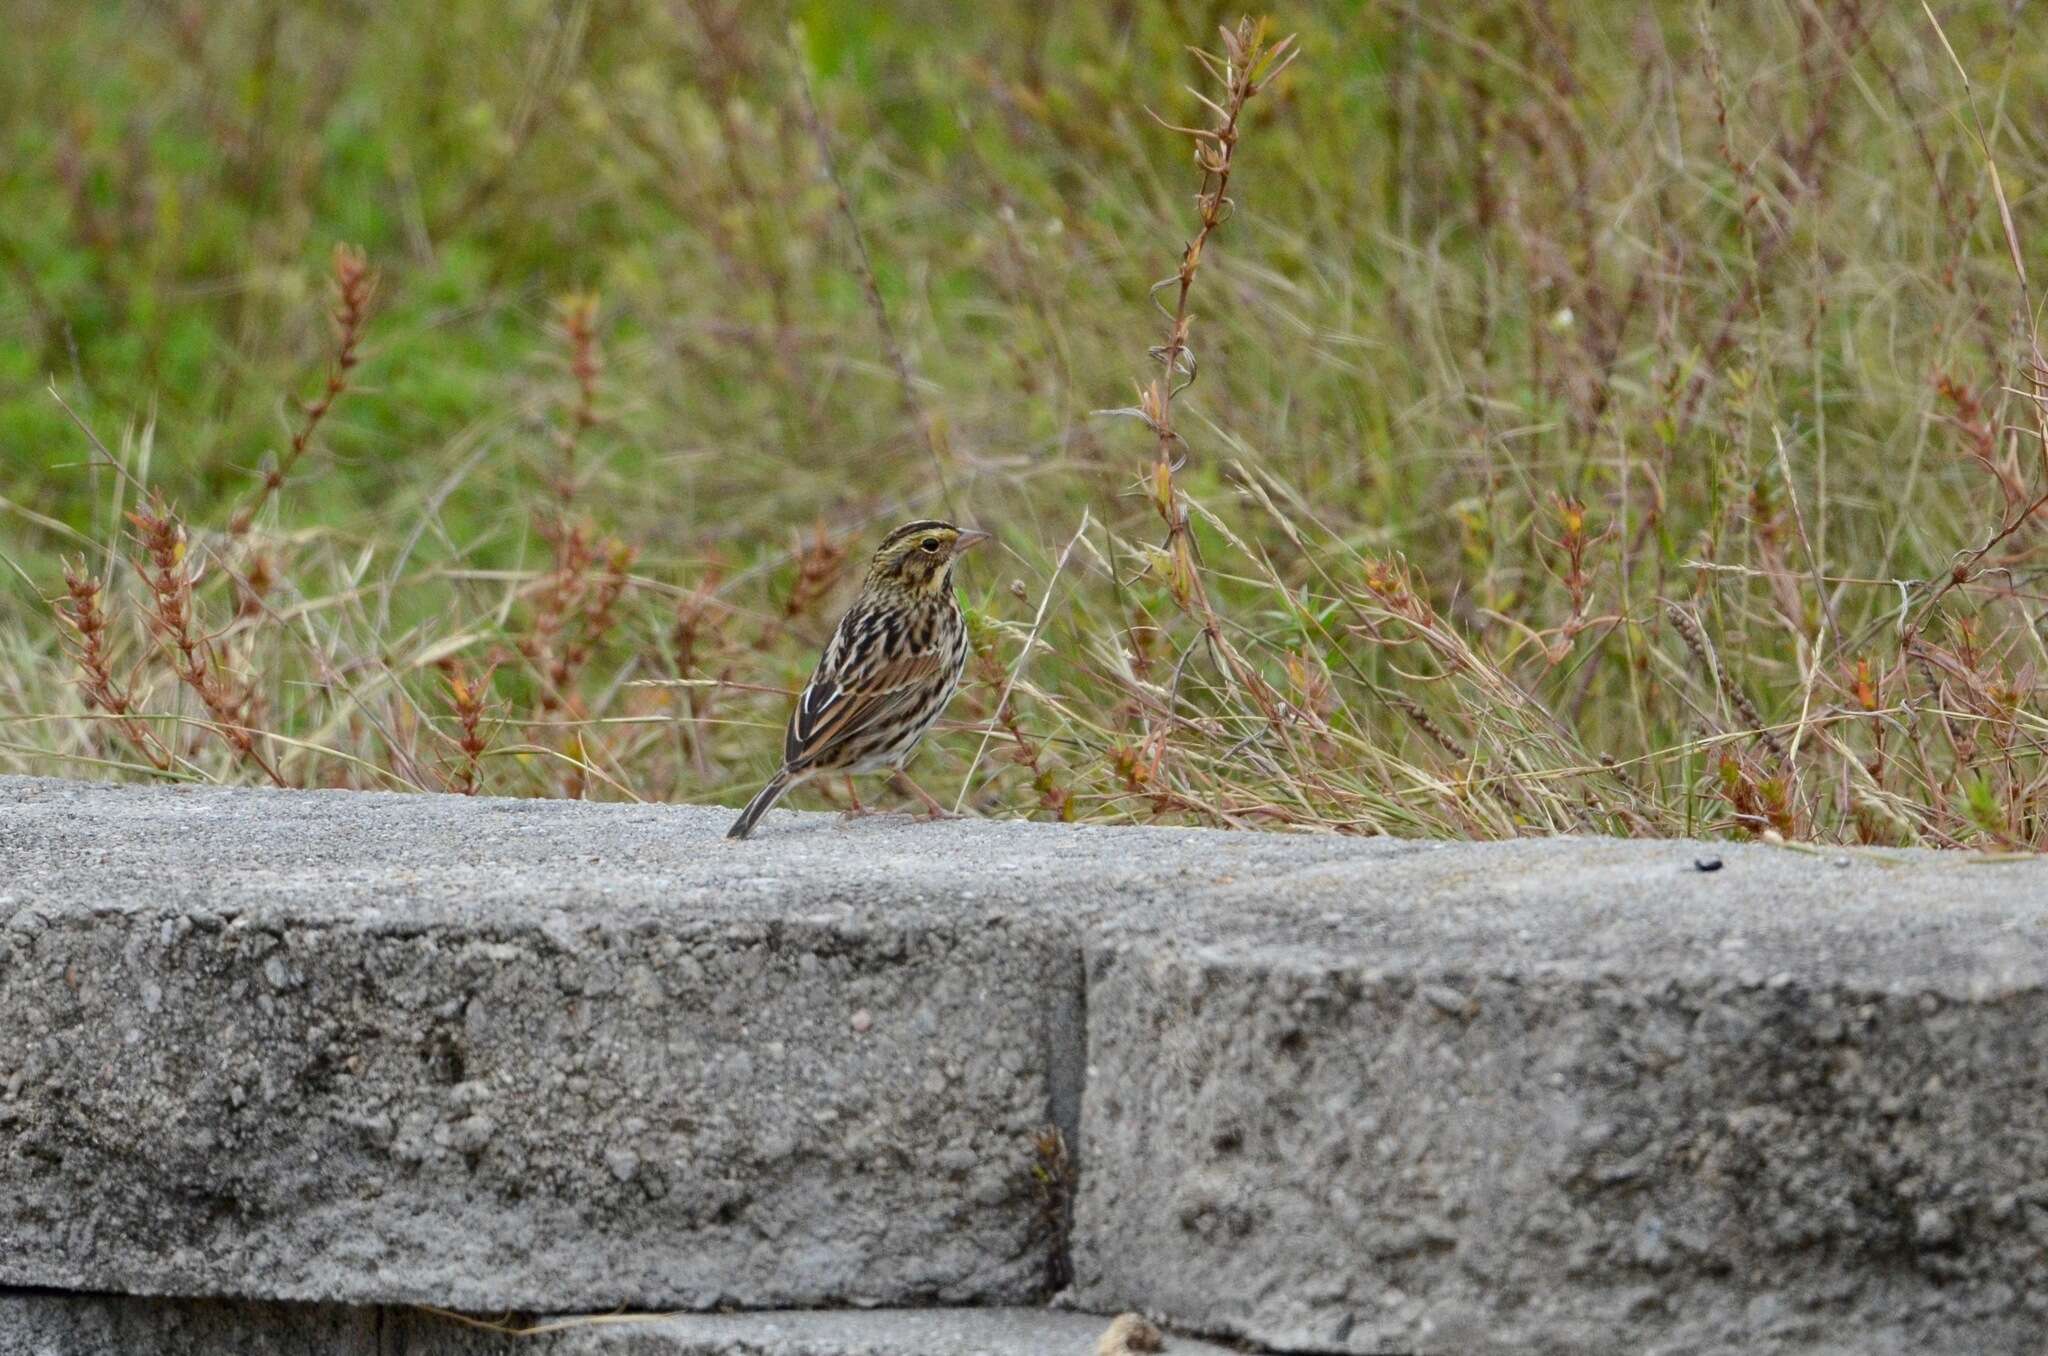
1605, 419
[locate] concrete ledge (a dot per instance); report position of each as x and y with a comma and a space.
1590, 1099
491, 1056
1325, 1095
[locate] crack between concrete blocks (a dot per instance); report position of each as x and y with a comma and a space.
1067, 1057
1066, 1079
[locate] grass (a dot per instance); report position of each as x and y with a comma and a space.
1565, 419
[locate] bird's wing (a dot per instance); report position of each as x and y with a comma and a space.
835, 707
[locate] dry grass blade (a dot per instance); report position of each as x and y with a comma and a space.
1001, 712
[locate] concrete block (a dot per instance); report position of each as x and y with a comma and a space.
505, 1056
1585, 1098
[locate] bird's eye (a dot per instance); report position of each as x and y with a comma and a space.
930, 544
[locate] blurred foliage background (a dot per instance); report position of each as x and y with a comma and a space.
1608, 418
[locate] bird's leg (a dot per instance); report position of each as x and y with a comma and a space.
855, 810
937, 810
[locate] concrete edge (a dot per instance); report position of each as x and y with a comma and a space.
39, 1322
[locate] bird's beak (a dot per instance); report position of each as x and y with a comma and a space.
967, 541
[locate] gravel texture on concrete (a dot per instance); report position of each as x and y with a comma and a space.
1326, 1095
97, 1325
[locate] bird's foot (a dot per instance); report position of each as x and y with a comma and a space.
856, 810
933, 810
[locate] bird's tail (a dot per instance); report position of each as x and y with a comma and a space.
758, 806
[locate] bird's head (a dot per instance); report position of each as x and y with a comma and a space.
917, 558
